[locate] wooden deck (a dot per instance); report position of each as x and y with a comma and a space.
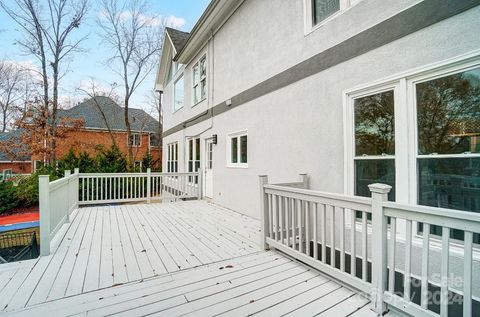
183, 258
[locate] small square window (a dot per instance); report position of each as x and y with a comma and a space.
238, 152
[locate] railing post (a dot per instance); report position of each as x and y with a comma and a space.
379, 246
149, 184
263, 212
77, 186
44, 205
304, 180
67, 174
200, 184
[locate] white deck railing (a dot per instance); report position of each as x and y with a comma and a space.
134, 187
58, 199
324, 230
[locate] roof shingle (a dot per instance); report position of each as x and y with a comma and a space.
179, 38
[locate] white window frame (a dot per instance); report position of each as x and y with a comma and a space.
135, 137
231, 136
350, 134
200, 80
309, 24
194, 161
180, 77
406, 140
172, 157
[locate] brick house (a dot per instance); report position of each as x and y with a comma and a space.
99, 116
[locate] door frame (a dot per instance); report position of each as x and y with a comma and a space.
208, 142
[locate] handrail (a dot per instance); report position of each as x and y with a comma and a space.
57, 200
104, 188
314, 226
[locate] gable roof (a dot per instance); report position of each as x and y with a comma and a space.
14, 136
178, 38
91, 112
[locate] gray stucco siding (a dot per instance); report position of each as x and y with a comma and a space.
299, 128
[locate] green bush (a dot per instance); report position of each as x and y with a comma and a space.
27, 189
8, 199
111, 161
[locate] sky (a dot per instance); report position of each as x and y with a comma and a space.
88, 65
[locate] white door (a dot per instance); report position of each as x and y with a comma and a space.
209, 169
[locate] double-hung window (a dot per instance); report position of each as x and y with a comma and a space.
448, 143
172, 157
178, 93
135, 140
421, 136
193, 157
237, 150
374, 142
200, 80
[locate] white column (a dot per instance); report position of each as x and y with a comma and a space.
304, 180
149, 185
77, 185
379, 246
44, 202
263, 212
200, 183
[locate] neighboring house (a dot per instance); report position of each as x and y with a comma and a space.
98, 118
16, 161
350, 92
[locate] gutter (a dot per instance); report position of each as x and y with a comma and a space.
211, 6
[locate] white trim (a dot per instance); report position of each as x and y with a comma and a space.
200, 80
133, 143
228, 151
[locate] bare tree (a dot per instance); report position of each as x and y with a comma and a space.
48, 35
154, 100
135, 40
11, 77
93, 91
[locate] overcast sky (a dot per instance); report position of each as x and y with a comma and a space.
181, 14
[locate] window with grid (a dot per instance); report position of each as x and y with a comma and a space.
172, 157
194, 156
200, 80
135, 140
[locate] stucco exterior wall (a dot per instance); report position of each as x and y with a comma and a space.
299, 128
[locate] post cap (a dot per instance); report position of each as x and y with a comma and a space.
380, 188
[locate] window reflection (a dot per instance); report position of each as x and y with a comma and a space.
374, 171
374, 124
449, 114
